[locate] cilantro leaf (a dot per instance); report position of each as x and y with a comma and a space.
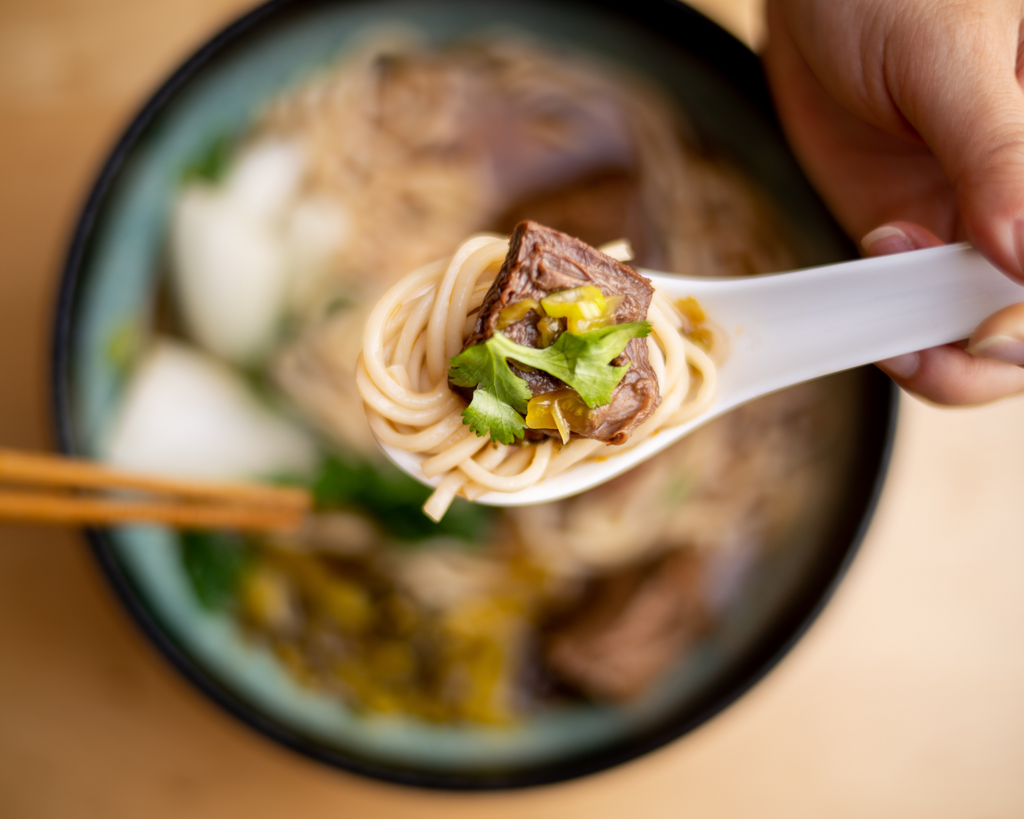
215, 563
581, 360
500, 397
484, 366
212, 164
487, 415
394, 501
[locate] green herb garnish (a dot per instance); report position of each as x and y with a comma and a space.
212, 164
500, 397
123, 347
581, 360
394, 501
214, 563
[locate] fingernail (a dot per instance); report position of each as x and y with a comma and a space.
902, 366
885, 240
1000, 348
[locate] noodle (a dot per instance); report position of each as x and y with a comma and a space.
402, 376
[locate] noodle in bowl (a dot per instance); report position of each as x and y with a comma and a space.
402, 376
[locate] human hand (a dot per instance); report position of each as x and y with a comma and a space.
910, 115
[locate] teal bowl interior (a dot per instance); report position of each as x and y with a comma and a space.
111, 283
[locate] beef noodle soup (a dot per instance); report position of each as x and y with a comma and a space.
281, 242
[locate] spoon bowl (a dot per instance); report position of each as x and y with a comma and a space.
786, 328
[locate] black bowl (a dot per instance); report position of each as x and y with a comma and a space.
719, 82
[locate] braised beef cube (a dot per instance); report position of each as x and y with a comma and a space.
542, 261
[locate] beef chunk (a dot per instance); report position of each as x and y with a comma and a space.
630, 628
542, 261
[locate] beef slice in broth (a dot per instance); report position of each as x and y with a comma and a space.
630, 628
542, 261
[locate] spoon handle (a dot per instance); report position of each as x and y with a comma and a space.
801, 325
791, 327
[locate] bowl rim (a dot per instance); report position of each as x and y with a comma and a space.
732, 60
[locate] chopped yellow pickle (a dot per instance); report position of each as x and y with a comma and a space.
560, 423
583, 308
266, 598
691, 309
549, 329
703, 338
516, 311
694, 327
556, 410
611, 304
348, 604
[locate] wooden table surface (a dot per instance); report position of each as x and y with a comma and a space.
905, 700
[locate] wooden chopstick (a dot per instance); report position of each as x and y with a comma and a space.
54, 470
34, 507
188, 504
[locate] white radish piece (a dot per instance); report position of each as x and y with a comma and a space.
265, 178
229, 275
187, 415
229, 253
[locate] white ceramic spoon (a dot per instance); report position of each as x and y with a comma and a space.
786, 328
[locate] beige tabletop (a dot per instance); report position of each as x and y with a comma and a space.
906, 699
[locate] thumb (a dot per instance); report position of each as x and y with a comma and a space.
965, 100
